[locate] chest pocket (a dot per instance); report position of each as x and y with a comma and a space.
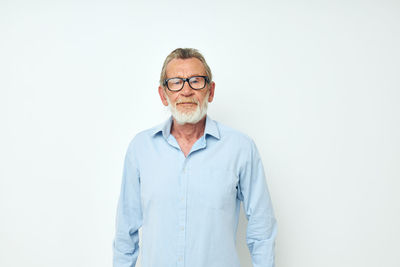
215, 189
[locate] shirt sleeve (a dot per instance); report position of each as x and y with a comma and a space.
129, 216
261, 227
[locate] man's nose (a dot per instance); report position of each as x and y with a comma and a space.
187, 90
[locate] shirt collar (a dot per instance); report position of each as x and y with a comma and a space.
165, 128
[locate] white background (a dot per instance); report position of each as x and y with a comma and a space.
314, 83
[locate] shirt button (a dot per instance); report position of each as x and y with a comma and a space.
180, 259
181, 198
182, 228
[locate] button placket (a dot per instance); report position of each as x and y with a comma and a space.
182, 215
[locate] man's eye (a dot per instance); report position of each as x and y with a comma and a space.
195, 80
175, 81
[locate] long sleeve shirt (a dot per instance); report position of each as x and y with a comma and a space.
188, 207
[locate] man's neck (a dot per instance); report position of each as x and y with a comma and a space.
188, 131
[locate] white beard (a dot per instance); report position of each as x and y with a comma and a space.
192, 116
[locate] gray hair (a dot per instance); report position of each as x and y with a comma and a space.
184, 53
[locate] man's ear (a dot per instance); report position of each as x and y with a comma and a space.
212, 89
163, 97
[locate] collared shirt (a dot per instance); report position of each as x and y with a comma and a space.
188, 207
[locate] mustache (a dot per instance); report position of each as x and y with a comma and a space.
187, 100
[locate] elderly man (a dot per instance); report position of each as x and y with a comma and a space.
183, 182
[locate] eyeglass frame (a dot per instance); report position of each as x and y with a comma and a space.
206, 78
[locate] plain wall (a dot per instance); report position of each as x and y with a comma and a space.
314, 83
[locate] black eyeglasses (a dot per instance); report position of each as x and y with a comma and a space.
195, 82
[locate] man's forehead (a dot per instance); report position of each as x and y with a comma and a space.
188, 66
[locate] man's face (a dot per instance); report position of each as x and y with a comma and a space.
187, 104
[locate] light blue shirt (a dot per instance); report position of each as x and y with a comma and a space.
188, 207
